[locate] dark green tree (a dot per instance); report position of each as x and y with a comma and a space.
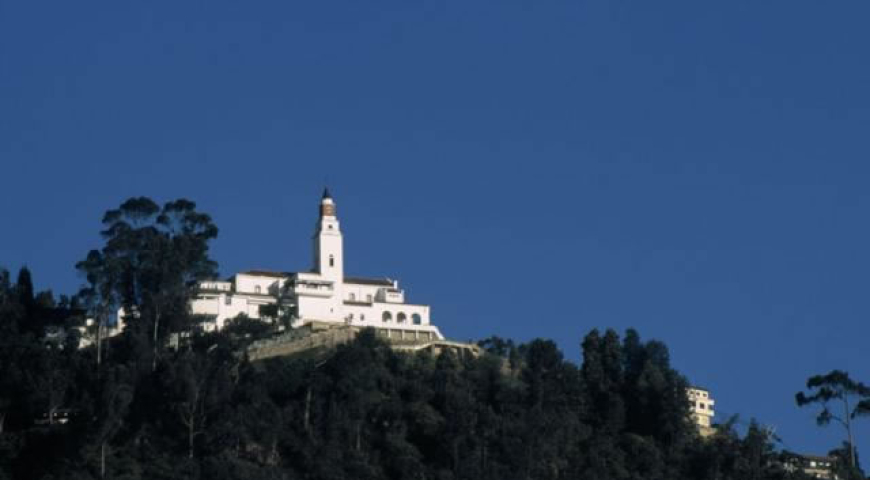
603, 375
850, 400
99, 296
24, 287
841, 465
25, 302
150, 264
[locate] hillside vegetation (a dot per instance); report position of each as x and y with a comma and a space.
139, 408
366, 412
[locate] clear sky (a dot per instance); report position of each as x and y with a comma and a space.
697, 170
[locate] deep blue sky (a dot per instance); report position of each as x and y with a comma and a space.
697, 170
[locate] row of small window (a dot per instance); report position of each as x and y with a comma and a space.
387, 317
352, 297
258, 289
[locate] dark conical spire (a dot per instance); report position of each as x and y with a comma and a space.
327, 206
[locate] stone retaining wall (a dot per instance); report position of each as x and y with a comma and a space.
310, 339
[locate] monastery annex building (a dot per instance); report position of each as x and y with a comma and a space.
320, 297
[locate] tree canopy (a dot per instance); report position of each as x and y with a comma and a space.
841, 399
152, 258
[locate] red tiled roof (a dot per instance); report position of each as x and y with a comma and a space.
267, 273
386, 282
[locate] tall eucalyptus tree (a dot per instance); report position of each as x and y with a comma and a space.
150, 263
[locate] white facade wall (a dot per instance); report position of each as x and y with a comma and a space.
401, 317
264, 285
354, 292
701, 404
319, 309
205, 305
387, 295
225, 307
311, 285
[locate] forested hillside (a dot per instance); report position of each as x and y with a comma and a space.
140, 408
520, 412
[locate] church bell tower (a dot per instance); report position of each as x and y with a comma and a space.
328, 248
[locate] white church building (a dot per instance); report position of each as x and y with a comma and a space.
320, 297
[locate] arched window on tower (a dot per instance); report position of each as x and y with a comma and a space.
415, 318
387, 317
331, 261
400, 318
257, 289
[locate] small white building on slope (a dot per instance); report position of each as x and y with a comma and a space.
323, 296
701, 406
